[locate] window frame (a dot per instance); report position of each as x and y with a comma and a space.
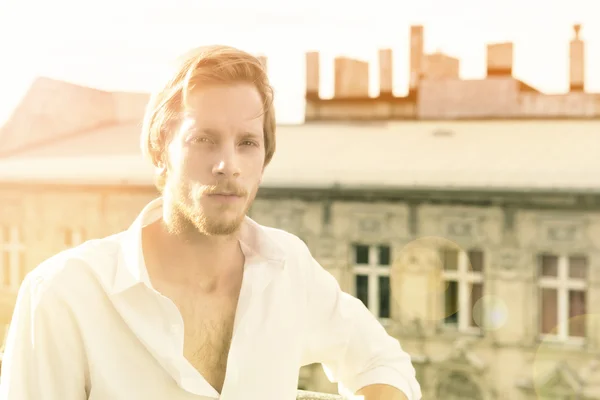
563, 284
373, 270
464, 276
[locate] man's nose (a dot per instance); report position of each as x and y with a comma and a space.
227, 163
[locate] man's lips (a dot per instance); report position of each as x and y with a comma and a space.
225, 196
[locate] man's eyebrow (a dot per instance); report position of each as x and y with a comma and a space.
251, 134
209, 131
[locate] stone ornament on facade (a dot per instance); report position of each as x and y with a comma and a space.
566, 231
560, 382
462, 227
375, 222
420, 256
368, 227
507, 259
369, 224
509, 263
576, 378
458, 386
461, 355
461, 374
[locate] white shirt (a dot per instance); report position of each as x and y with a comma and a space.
88, 325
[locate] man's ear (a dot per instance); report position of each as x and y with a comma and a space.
161, 165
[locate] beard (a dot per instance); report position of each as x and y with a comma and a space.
190, 217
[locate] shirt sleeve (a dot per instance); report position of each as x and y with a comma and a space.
44, 357
350, 342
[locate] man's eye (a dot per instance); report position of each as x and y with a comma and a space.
249, 143
199, 139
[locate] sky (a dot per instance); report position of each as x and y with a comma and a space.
125, 44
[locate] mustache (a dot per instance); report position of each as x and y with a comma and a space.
227, 187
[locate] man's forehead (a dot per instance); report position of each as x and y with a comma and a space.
192, 117
213, 126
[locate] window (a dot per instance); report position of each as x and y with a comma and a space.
563, 294
73, 237
12, 260
372, 278
463, 277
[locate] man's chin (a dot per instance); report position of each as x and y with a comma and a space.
220, 226
220, 229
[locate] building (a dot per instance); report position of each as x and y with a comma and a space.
474, 238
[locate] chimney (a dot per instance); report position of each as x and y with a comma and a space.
351, 78
416, 56
576, 62
500, 59
386, 74
312, 74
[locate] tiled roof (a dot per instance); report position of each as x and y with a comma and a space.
504, 155
53, 109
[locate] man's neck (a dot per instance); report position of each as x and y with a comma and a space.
208, 260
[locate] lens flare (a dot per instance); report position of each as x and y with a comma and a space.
490, 313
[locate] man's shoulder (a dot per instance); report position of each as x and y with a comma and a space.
96, 259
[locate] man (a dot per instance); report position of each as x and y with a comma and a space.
195, 300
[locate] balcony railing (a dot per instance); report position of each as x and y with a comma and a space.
304, 395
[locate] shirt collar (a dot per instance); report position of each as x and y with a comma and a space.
256, 243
